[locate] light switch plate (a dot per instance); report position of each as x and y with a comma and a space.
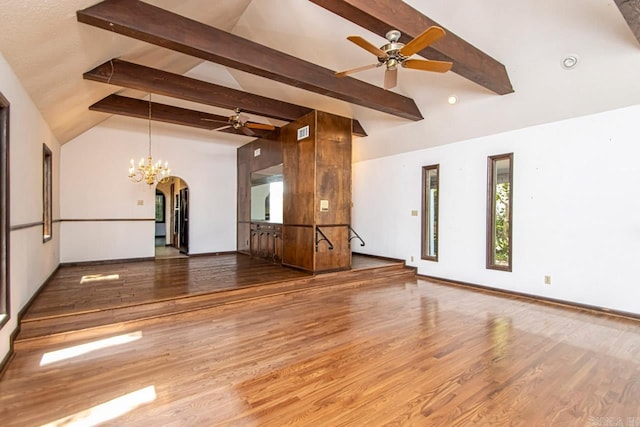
414, 213
256, 152
324, 205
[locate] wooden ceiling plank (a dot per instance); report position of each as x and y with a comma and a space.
380, 16
630, 10
154, 25
139, 108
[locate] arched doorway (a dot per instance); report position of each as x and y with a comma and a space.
172, 219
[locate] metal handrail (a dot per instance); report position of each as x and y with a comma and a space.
324, 237
355, 236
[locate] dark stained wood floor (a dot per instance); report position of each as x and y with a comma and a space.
85, 288
407, 352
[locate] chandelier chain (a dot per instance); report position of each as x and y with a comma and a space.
149, 172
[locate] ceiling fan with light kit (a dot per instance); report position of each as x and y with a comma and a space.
395, 53
241, 122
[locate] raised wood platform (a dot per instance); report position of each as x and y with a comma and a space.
83, 301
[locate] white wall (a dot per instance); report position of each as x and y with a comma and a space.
575, 209
31, 260
94, 185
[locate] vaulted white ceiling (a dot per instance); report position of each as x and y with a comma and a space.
49, 51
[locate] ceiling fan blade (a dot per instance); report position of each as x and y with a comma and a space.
356, 70
367, 46
222, 128
247, 131
428, 65
427, 37
206, 117
390, 78
254, 125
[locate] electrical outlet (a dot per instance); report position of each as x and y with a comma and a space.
414, 213
140, 202
547, 280
411, 258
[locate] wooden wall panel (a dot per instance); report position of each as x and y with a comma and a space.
333, 169
298, 246
270, 152
247, 162
340, 257
243, 237
244, 182
299, 172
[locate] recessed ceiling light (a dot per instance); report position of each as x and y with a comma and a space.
452, 99
569, 62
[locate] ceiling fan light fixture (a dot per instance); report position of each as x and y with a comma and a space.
393, 36
452, 100
570, 62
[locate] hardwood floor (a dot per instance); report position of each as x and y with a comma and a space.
85, 288
406, 352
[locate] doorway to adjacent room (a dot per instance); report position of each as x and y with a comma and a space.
172, 219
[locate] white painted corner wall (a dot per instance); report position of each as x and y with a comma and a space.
107, 217
575, 209
31, 260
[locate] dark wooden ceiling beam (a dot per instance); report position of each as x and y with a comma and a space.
154, 25
139, 108
140, 77
380, 16
630, 9
147, 79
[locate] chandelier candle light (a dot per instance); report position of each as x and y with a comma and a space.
150, 173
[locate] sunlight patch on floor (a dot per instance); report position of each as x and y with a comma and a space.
79, 350
98, 278
109, 410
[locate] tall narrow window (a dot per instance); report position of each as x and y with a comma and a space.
47, 184
430, 182
499, 211
4, 210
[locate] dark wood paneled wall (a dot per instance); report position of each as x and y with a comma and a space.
299, 171
244, 197
317, 168
333, 169
247, 162
298, 246
270, 152
244, 183
340, 257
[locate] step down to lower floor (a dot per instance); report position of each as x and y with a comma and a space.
84, 325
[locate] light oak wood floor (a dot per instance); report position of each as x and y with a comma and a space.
409, 353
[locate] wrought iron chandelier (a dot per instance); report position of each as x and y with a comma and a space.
149, 172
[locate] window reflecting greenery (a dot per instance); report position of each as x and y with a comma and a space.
430, 184
499, 221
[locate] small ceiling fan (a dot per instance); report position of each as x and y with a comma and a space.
395, 53
241, 122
